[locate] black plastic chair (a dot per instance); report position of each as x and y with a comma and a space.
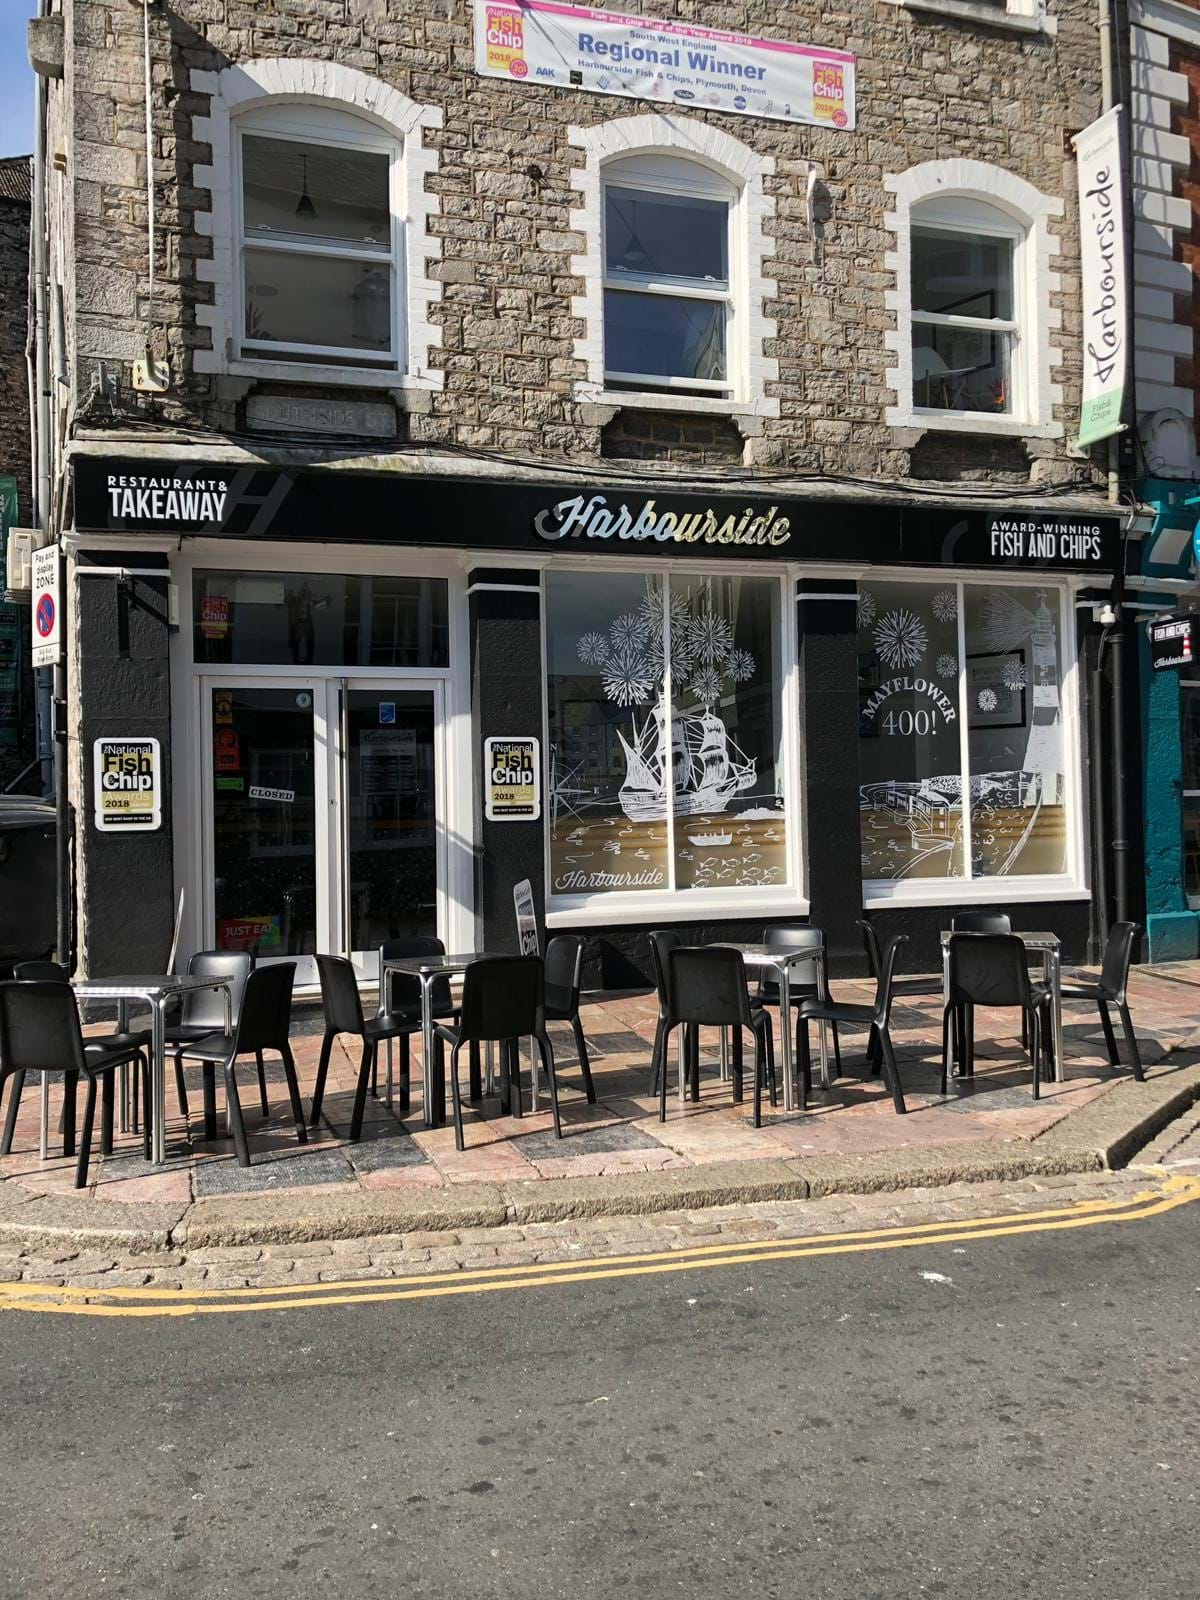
40, 1032
138, 1039
1109, 990
662, 942
202, 1012
503, 1002
262, 1025
990, 969
801, 936
707, 988
400, 995
982, 922
564, 966
344, 1014
913, 988
875, 1018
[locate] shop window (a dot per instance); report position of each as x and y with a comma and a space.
319, 239
666, 734
962, 767
319, 619
668, 309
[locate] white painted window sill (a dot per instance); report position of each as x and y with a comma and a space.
673, 909
987, 16
332, 376
974, 422
975, 891
684, 404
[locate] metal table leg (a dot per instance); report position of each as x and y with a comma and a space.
724, 1054
43, 1136
435, 1093
1052, 966
122, 1027
158, 1074
785, 1039
682, 1064
946, 1002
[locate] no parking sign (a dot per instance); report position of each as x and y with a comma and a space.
47, 611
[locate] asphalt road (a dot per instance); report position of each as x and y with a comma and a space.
844, 1427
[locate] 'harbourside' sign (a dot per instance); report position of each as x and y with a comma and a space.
504, 516
1102, 264
670, 63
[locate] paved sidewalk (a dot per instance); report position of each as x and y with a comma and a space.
621, 1135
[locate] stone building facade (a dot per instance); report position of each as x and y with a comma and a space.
16, 687
883, 392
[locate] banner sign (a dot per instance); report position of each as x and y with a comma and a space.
1173, 641
128, 785
512, 780
47, 608
1102, 264
647, 58
506, 515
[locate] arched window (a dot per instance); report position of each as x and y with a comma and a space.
674, 288
319, 217
320, 237
974, 319
670, 313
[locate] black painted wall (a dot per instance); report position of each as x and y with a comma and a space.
120, 679
506, 694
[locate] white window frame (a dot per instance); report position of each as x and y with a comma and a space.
244, 96
926, 219
705, 186
1071, 883
949, 195
1021, 16
316, 126
722, 162
651, 905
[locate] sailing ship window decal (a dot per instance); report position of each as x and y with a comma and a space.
665, 733
940, 798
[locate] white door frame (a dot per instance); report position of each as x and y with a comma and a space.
338, 830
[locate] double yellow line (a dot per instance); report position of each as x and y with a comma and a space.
1171, 1193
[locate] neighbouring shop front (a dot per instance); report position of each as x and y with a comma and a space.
748, 708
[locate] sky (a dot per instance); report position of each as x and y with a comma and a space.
16, 79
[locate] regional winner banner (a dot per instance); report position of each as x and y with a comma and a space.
643, 58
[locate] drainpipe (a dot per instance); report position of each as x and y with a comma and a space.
1119, 818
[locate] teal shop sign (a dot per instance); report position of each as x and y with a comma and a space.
10, 630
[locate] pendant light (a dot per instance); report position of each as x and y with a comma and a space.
304, 206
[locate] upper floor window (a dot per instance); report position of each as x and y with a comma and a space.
320, 238
976, 339
964, 311
668, 302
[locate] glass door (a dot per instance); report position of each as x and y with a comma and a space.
389, 856
267, 799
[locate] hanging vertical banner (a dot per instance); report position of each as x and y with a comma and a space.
1102, 265
648, 58
10, 629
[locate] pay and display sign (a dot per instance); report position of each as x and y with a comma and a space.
645, 58
47, 608
128, 785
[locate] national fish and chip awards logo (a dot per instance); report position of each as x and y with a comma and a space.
505, 39
829, 93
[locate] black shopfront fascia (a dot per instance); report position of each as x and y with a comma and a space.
507, 518
503, 519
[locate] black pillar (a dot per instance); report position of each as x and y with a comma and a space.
121, 679
828, 656
506, 699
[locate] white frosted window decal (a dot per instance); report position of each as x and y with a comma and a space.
1015, 738
665, 733
909, 751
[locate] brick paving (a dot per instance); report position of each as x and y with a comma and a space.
621, 1133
